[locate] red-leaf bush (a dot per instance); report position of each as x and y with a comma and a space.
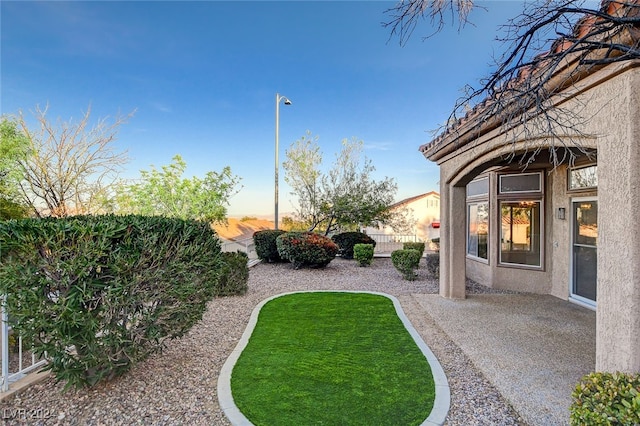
306, 249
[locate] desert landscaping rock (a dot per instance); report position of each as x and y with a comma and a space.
178, 386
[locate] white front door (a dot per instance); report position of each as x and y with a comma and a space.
584, 264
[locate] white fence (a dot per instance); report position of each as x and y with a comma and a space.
16, 362
246, 246
386, 243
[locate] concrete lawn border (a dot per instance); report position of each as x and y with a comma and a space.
442, 400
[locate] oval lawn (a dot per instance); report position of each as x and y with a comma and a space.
332, 358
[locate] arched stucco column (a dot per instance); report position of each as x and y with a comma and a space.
452, 240
618, 311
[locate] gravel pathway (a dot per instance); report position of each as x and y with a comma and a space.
178, 387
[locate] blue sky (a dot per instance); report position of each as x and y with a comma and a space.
202, 77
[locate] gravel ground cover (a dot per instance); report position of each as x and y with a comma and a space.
178, 387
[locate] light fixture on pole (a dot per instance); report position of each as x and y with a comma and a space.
277, 164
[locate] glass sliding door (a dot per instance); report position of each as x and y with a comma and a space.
584, 250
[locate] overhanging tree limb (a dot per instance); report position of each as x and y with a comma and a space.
550, 47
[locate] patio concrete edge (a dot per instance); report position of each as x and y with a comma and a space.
442, 400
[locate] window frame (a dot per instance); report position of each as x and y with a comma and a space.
475, 200
476, 256
583, 188
536, 196
527, 191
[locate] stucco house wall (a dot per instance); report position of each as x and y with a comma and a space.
609, 102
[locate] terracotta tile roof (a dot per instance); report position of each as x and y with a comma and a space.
473, 125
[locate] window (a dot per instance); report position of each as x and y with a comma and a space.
478, 229
478, 187
520, 239
478, 218
583, 178
519, 183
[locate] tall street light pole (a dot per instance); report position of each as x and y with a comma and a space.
277, 164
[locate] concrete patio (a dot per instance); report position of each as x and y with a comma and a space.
532, 348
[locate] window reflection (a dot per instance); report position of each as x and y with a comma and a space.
586, 223
584, 177
520, 233
478, 230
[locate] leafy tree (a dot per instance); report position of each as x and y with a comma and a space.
71, 166
548, 47
344, 198
302, 173
291, 224
14, 147
167, 193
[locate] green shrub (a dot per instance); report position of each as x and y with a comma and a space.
415, 246
347, 240
265, 242
406, 262
113, 288
363, 253
606, 399
433, 264
234, 274
306, 249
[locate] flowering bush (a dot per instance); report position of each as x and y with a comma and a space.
306, 249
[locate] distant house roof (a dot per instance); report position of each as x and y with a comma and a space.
416, 198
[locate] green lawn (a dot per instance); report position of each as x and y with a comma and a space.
330, 358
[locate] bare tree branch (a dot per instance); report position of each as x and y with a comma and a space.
71, 164
406, 15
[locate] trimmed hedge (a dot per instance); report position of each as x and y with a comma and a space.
347, 240
406, 262
234, 274
265, 242
306, 249
113, 288
606, 399
415, 246
363, 253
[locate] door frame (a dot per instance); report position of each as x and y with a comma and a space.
583, 301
